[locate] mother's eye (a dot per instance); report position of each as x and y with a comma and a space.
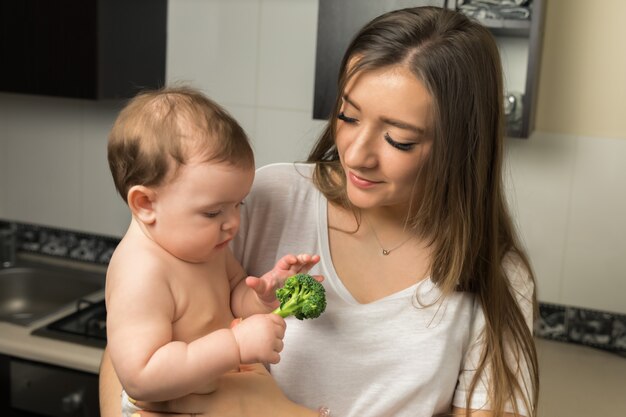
342, 116
399, 145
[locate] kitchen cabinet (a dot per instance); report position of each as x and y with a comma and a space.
33, 389
92, 49
338, 22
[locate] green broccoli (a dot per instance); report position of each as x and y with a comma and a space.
301, 296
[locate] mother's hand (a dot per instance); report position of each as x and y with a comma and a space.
250, 392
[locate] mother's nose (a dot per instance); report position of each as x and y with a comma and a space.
361, 149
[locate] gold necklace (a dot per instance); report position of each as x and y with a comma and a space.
386, 252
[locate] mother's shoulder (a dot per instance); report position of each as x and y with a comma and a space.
281, 175
280, 185
287, 167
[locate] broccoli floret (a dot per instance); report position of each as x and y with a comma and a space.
301, 296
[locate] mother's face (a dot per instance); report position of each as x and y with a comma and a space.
383, 137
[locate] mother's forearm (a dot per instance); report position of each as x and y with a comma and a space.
110, 389
462, 412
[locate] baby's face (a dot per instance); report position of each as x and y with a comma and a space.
197, 213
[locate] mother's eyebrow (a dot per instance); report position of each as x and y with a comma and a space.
404, 125
352, 103
390, 121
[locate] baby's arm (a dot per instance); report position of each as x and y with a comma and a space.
258, 295
153, 367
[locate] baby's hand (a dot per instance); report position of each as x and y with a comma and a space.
265, 287
290, 265
260, 338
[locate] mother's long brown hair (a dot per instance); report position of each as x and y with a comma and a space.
463, 214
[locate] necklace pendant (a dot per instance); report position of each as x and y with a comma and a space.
385, 252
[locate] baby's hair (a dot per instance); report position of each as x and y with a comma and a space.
160, 130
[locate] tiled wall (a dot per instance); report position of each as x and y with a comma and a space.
568, 196
257, 58
53, 167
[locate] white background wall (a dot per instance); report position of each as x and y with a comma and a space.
256, 57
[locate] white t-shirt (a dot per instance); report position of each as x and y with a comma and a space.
391, 357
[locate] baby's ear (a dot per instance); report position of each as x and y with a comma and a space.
141, 203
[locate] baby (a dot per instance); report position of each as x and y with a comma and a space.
173, 287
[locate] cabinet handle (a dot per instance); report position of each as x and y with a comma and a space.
73, 401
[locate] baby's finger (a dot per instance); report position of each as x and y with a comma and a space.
280, 332
278, 346
253, 282
287, 261
274, 359
318, 278
304, 258
258, 285
278, 320
307, 261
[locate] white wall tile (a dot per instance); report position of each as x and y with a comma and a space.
103, 210
43, 151
538, 173
245, 116
213, 45
284, 136
287, 54
595, 251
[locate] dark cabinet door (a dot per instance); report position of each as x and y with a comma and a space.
82, 48
47, 47
33, 389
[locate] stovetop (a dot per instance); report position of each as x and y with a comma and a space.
85, 326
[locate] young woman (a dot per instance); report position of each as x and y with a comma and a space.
430, 296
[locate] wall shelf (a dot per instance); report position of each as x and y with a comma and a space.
339, 21
520, 106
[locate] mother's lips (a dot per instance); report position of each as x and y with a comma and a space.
362, 182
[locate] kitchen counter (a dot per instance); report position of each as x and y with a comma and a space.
17, 341
580, 381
